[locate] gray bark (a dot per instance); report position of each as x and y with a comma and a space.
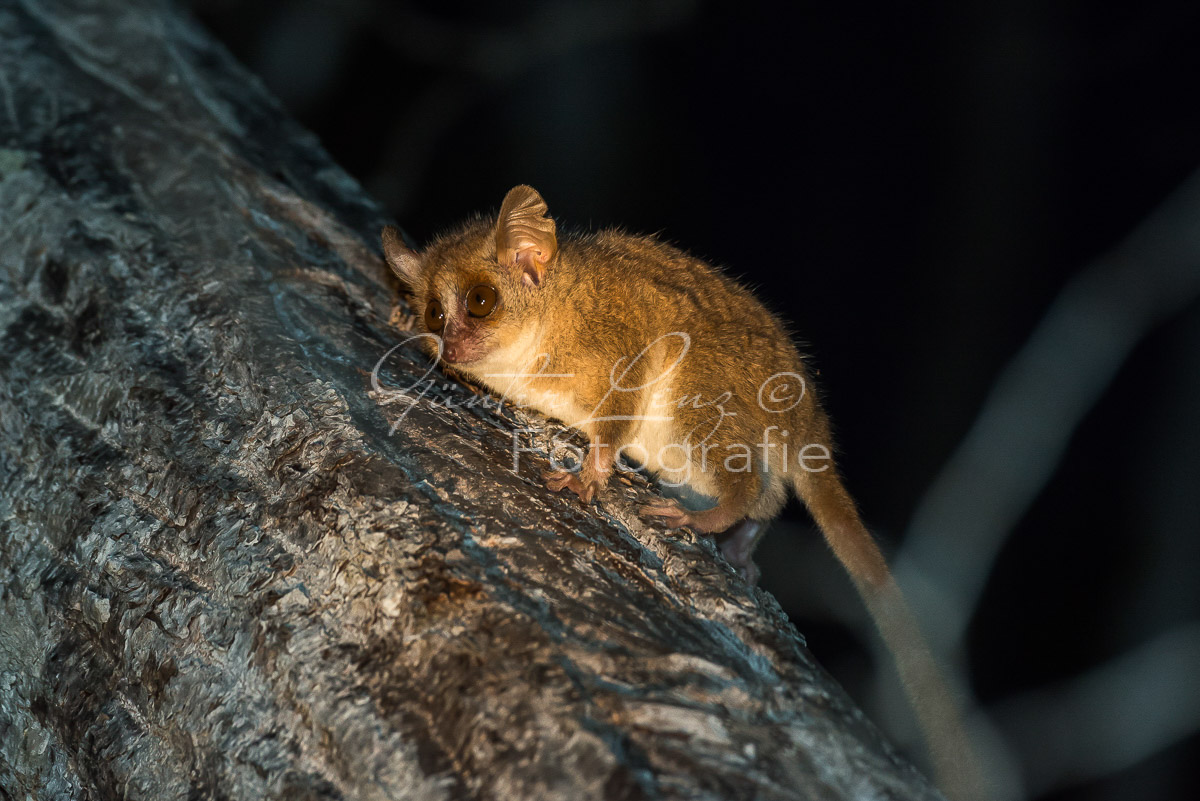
230, 569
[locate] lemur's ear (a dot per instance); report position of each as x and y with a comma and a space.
403, 260
525, 234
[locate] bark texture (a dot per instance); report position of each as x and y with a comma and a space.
232, 568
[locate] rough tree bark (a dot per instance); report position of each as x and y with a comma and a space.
230, 569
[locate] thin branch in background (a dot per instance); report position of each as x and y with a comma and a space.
1039, 400
1027, 422
1110, 718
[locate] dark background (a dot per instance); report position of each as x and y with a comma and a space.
911, 189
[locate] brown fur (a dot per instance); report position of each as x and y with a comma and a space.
584, 307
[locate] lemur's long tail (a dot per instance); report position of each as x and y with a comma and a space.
956, 767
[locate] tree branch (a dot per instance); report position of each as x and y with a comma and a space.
231, 569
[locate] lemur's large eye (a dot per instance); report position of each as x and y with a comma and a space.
481, 300
435, 318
